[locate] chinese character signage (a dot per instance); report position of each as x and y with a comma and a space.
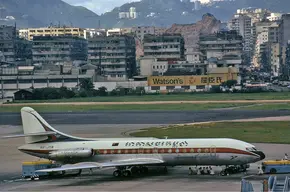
188, 80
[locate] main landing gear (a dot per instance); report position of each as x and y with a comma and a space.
234, 169
132, 170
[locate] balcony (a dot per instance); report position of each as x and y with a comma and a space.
50, 52
161, 43
162, 50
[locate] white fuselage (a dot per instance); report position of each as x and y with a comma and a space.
172, 151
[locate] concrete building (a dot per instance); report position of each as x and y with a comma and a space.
23, 33
90, 33
13, 79
124, 15
114, 56
164, 47
133, 13
274, 17
126, 31
275, 50
141, 31
243, 25
12, 48
7, 32
51, 31
223, 49
152, 66
274, 33
51, 51
285, 29
114, 32
260, 39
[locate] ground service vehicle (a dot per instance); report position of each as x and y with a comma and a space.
276, 166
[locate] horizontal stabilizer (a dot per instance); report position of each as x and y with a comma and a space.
47, 133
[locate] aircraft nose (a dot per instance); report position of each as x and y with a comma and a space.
261, 154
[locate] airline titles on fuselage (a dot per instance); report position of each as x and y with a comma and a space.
171, 144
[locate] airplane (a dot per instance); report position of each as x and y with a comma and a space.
129, 155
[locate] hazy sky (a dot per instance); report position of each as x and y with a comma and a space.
99, 6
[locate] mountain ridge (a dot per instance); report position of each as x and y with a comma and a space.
163, 13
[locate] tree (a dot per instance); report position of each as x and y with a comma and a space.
102, 91
87, 85
66, 93
229, 83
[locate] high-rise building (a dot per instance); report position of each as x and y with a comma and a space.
50, 52
284, 39
114, 56
260, 39
223, 49
13, 49
164, 47
132, 13
243, 25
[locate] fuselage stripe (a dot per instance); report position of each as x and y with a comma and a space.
157, 151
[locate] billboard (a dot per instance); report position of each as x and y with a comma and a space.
189, 80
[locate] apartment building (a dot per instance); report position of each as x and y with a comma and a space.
260, 39
243, 25
222, 49
115, 56
51, 51
141, 31
12, 48
51, 31
164, 47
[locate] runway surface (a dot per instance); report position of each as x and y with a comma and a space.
143, 117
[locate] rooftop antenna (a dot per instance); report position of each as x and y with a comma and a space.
99, 24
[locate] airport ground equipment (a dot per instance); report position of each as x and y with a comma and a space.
246, 186
276, 166
234, 169
276, 184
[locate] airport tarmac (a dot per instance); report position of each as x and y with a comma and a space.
144, 117
176, 180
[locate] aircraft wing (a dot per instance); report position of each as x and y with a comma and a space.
91, 165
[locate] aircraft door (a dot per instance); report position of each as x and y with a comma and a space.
155, 152
213, 151
140, 151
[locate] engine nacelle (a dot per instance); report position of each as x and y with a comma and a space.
72, 153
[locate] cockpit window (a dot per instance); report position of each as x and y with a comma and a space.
251, 149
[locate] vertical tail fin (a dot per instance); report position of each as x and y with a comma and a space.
36, 129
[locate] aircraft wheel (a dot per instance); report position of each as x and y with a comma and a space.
273, 171
117, 173
127, 173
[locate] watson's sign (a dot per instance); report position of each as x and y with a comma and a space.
188, 80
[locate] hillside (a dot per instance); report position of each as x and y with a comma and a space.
167, 12
37, 13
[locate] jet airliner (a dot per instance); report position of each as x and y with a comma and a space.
74, 153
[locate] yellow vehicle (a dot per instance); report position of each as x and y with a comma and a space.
276, 166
